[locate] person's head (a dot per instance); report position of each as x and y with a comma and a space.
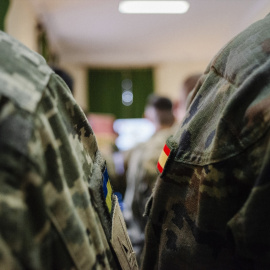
159, 111
65, 76
187, 86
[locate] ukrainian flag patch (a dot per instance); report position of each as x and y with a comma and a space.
107, 190
163, 158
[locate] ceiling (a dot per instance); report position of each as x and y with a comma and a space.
94, 33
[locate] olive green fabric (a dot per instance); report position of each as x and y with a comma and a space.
141, 177
53, 213
210, 206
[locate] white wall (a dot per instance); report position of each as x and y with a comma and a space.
168, 78
21, 23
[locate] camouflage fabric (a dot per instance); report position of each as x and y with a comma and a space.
53, 213
210, 206
141, 177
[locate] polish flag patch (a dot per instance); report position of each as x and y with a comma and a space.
163, 158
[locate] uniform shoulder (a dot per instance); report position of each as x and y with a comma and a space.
24, 74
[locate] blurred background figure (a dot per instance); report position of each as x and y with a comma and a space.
103, 126
141, 166
180, 106
65, 76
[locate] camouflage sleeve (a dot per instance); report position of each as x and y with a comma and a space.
249, 228
209, 208
17, 214
27, 235
57, 207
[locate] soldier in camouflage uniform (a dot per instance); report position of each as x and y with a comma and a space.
57, 208
210, 206
142, 173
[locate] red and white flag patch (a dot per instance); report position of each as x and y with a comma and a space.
163, 158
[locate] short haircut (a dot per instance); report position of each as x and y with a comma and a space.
159, 103
190, 82
163, 107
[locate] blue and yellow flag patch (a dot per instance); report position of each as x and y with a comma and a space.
107, 190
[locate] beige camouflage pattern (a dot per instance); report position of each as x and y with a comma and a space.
53, 213
210, 206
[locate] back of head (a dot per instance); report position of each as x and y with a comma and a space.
187, 86
65, 76
159, 110
190, 82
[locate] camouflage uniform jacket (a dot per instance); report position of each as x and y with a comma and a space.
141, 177
54, 183
210, 206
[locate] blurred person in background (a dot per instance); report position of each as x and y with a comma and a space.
210, 205
57, 207
141, 168
65, 76
180, 107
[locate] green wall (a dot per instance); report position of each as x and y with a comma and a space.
3, 10
107, 86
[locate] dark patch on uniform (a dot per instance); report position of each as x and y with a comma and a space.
36, 205
206, 169
72, 231
171, 240
52, 168
54, 253
99, 261
80, 200
162, 216
3, 101
212, 239
157, 226
47, 103
179, 212
208, 183
69, 162
16, 131
184, 143
9, 223
88, 233
81, 122
185, 171
210, 139
193, 109
263, 178
266, 46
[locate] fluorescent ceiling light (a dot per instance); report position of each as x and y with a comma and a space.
151, 7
